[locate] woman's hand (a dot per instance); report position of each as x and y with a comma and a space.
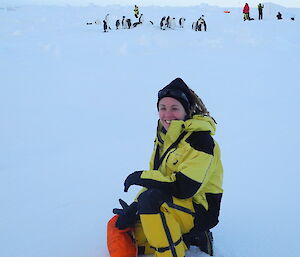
127, 215
132, 179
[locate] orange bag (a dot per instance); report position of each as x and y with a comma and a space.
120, 243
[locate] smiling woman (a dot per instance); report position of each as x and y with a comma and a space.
181, 195
170, 109
177, 101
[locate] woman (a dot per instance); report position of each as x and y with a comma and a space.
182, 190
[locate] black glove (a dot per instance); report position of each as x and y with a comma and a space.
133, 179
127, 216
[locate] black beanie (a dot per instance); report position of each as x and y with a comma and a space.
180, 91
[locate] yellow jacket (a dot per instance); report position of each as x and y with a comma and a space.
193, 169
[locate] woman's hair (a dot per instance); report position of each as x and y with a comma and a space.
198, 107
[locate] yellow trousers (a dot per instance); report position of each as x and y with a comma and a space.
161, 233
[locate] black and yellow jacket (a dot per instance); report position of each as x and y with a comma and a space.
193, 169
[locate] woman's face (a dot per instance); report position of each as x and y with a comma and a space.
170, 109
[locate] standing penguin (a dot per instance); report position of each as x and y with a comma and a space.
104, 25
123, 23
128, 21
201, 22
172, 24
163, 23
107, 21
194, 26
181, 22
168, 21
117, 24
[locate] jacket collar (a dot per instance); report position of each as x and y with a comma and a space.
197, 123
200, 123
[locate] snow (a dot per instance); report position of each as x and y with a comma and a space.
78, 114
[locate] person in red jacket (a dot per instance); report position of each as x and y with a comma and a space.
246, 12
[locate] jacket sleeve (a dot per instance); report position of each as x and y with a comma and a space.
183, 183
139, 193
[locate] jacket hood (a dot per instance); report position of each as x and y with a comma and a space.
200, 123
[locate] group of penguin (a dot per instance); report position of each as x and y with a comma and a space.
124, 23
168, 22
165, 22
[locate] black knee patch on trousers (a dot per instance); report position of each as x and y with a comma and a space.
149, 202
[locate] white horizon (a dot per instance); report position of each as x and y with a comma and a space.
170, 3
